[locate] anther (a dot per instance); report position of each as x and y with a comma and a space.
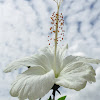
50, 28
57, 14
57, 22
52, 22
61, 23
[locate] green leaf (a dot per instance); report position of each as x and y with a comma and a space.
62, 98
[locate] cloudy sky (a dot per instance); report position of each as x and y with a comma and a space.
24, 28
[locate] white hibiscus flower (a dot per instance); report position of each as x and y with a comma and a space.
50, 68
70, 72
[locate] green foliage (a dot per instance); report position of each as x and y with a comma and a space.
62, 98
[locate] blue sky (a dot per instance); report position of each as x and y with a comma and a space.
24, 28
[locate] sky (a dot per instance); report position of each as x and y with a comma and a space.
24, 28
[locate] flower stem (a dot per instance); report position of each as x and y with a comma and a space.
54, 95
55, 88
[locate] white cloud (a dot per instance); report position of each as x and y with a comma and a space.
24, 27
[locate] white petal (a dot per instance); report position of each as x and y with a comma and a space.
49, 53
61, 53
75, 76
63, 50
88, 60
42, 60
33, 83
71, 59
27, 61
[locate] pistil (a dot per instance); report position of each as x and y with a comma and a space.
56, 37
57, 29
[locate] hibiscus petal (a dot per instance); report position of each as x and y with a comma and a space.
76, 75
36, 60
71, 59
49, 53
27, 61
33, 83
63, 50
88, 60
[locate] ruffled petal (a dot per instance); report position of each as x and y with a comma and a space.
62, 51
71, 59
33, 83
60, 54
49, 53
76, 75
44, 60
27, 61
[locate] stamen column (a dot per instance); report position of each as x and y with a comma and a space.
56, 36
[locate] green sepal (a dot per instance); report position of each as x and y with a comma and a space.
62, 98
